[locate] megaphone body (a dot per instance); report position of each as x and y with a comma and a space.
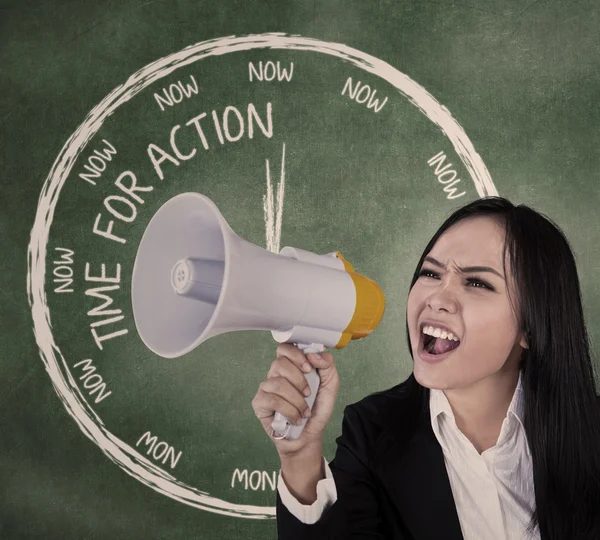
195, 278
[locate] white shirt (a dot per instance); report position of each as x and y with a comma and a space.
493, 491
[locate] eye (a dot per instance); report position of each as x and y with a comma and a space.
424, 273
479, 283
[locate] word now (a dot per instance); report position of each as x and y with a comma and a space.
176, 93
96, 163
63, 270
270, 71
445, 174
362, 93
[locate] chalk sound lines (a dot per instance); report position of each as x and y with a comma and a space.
272, 222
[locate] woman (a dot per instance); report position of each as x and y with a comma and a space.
497, 438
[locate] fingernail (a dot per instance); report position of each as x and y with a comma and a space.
316, 356
300, 421
306, 367
307, 413
306, 391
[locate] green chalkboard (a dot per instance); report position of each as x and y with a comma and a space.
324, 126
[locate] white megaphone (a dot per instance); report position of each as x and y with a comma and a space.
194, 278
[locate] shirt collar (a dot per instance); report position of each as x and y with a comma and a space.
438, 404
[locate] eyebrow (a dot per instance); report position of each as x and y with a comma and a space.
466, 269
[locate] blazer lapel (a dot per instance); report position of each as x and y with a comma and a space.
410, 464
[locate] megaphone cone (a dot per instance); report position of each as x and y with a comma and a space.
194, 278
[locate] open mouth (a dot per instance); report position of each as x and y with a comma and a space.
437, 346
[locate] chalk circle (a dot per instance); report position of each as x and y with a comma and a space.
118, 451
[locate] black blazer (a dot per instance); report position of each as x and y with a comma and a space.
389, 473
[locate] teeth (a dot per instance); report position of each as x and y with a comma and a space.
438, 332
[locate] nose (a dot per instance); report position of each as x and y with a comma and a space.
442, 299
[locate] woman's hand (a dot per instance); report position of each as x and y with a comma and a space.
283, 392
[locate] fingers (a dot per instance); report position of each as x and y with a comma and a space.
304, 362
284, 367
278, 394
295, 355
282, 392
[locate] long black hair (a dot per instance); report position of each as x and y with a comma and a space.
562, 411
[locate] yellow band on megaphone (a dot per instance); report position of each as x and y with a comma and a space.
370, 304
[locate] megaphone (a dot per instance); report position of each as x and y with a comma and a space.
195, 278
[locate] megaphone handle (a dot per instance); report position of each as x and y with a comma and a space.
280, 423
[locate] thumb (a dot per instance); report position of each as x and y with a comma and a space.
320, 360
323, 361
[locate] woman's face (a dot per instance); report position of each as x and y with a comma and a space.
474, 304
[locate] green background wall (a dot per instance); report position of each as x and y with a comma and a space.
521, 79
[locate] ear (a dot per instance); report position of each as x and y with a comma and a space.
525, 338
